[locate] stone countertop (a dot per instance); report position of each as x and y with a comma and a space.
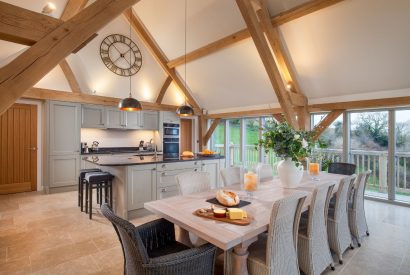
118, 160
119, 150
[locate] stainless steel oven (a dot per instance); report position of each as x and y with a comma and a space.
171, 140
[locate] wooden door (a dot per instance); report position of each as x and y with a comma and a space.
18, 154
186, 135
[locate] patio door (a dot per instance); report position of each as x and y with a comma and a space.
402, 156
18, 154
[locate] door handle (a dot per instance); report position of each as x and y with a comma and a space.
32, 148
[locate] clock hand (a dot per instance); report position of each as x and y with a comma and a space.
116, 48
117, 59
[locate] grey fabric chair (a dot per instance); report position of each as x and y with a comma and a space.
357, 216
193, 182
337, 221
276, 251
151, 249
313, 247
342, 168
231, 175
265, 172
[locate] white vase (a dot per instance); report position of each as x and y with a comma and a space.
290, 175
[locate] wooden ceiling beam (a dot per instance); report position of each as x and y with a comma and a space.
163, 90
325, 123
29, 67
72, 8
277, 20
279, 118
268, 60
23, 26
211, 130
46, 94
69, 75
248, 113
158, 54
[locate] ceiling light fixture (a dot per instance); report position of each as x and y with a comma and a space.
130, 104
48, 8
185, 110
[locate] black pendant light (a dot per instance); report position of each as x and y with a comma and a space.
130, 104
185, 110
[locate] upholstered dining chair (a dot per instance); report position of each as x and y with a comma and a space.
313, 247
337, 221
342, 168
276, 251
194, 182
151, 248
231, 175
357, 216
265, 172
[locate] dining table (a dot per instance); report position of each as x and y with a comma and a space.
231, 237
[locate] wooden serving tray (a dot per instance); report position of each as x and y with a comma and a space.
210, 215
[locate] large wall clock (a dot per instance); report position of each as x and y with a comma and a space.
121, 55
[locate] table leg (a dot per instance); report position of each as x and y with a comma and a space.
240, 256
183, 236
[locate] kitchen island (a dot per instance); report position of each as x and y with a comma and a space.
140, 179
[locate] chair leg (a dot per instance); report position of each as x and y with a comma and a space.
332, 267
86, 197
367, 233
351, 246
111, 194
101, 191
90, 201
81, 196
98, 193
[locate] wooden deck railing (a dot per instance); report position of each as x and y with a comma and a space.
365, 160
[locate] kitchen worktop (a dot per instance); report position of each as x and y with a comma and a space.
119, 150
118, 160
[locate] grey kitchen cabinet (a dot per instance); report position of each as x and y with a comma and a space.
63, 127
93, 116
141, 182
115, 118
167, 192
134, 120
213, 168
64, 170
63, 124
150, 120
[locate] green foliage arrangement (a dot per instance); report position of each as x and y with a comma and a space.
286, 142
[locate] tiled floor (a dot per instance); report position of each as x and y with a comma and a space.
47, 234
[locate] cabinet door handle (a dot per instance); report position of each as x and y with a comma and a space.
195, 170
203, 164
163, 190
195, 163
163, 166
154, 169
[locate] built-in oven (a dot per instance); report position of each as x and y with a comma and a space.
171, 141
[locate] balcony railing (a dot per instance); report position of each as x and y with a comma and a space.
365, 160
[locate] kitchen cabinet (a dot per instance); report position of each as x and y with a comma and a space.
115, 118
151, 120
134, 120
63, 123
169, 117
141, 184
93, 116
167, 192
213, 168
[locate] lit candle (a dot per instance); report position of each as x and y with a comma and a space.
314, 168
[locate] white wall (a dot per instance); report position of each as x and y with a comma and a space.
115, 138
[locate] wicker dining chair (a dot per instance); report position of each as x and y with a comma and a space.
313, 247
265, 172
357, 216
275, 252
231, 175
193, 182
342, 168
337, 221
151, 249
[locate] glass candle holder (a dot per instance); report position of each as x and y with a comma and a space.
314, 169
250, 182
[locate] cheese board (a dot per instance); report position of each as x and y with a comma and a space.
210, 215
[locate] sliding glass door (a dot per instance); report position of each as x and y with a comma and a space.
234, 141
218, 138
251, 137
369, 141
402, 156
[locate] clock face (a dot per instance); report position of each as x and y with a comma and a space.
121, 55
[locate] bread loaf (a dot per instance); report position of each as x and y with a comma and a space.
227, 198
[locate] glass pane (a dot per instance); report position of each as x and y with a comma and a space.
234, 141
402, 156
270, 157
332, 139
369, 140
251, 154
218, 138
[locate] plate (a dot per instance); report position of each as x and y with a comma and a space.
208, 155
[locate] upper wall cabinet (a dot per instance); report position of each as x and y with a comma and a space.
115, 118
169, 117
151, 120
93, 116
134, 120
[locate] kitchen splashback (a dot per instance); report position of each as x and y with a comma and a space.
115, 138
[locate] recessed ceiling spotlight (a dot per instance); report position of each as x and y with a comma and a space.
49, 8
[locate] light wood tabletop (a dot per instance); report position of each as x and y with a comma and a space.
179, 210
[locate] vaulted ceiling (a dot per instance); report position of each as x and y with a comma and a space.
355, 49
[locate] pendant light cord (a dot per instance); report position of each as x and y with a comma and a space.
130, 49
186, 16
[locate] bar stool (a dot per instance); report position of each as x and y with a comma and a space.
102, 181
81, 183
